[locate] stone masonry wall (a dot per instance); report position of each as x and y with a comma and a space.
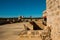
53, 20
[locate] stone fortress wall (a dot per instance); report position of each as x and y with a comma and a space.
53, 18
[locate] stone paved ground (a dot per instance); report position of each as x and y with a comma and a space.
10, 31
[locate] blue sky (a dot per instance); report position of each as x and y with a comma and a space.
15, 8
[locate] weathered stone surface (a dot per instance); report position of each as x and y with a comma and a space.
53, 18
